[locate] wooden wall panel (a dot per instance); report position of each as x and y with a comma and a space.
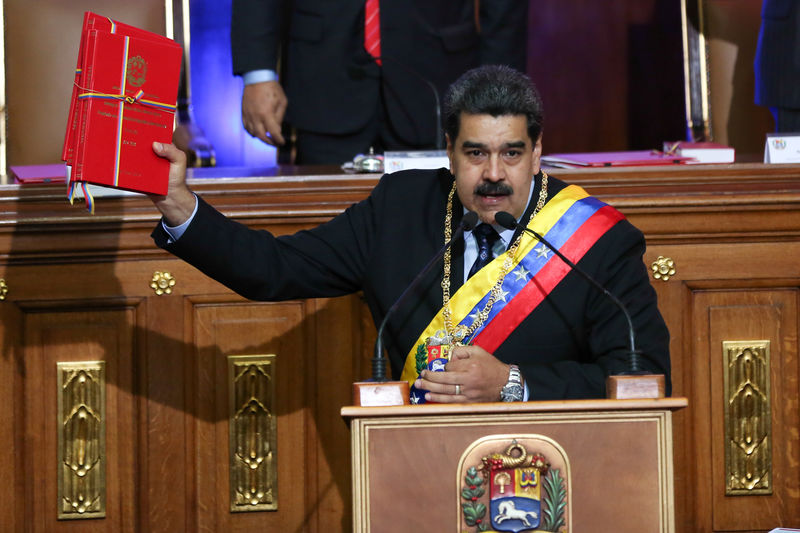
344, 336
224, 328
164, 500
730, 291
58, 335
12, 464
749, 315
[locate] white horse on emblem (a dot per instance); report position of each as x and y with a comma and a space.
508, 511
438, 365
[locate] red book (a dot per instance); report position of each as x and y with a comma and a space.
130, 88
93, 21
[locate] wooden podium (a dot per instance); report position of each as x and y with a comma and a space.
614, 458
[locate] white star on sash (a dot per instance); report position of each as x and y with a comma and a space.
542, 251
502, 295
414, 398
474, 316
522, 273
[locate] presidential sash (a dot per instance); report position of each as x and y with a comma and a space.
572, 221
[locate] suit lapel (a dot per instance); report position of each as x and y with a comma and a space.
457, 250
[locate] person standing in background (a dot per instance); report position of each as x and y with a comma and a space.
343, 99
777, 64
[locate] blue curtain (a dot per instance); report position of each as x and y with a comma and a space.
216, 92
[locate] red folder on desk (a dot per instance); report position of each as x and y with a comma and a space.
613, 159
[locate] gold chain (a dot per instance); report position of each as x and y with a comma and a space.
495, 292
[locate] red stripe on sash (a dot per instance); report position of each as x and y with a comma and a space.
532, 294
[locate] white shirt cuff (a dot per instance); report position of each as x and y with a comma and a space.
259, 76
176, 232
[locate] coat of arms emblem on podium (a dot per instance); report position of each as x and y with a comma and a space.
514, 483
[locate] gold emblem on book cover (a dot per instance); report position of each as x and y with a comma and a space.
137, 71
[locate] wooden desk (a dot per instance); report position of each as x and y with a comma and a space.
406, 455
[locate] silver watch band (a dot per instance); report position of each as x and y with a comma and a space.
513, 390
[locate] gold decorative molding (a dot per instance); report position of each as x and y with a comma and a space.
252, 433
663, 268
81, 440
748, 428
3, 289
162, 282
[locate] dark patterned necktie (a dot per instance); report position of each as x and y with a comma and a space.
486, 236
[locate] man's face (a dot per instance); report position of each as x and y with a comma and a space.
494, 160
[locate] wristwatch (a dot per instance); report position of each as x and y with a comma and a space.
512, 391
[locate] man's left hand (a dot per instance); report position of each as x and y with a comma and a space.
478, 374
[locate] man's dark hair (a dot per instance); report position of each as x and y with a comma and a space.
495, 90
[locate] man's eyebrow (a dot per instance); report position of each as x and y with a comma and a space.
515, 144
473, 144
482, 146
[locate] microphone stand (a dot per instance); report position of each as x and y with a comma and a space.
634, 382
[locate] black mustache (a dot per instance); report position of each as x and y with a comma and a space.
489, 188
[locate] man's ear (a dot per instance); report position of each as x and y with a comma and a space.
537, 155
537, 145
450, 149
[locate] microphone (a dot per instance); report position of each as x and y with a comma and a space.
469, 222
508, 221
359, 72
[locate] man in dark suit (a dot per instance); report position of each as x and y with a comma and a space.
520, 318
341, 100
777, 63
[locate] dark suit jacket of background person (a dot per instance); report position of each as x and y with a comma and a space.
333, 85
777, 62
381, 243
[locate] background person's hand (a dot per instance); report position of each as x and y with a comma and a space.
263, 107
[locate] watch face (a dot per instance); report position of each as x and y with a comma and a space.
512, 392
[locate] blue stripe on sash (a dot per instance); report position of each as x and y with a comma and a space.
530, 265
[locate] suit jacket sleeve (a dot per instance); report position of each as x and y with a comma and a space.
256, 33
504, 33
329, 260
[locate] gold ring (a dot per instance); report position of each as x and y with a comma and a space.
458, 389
